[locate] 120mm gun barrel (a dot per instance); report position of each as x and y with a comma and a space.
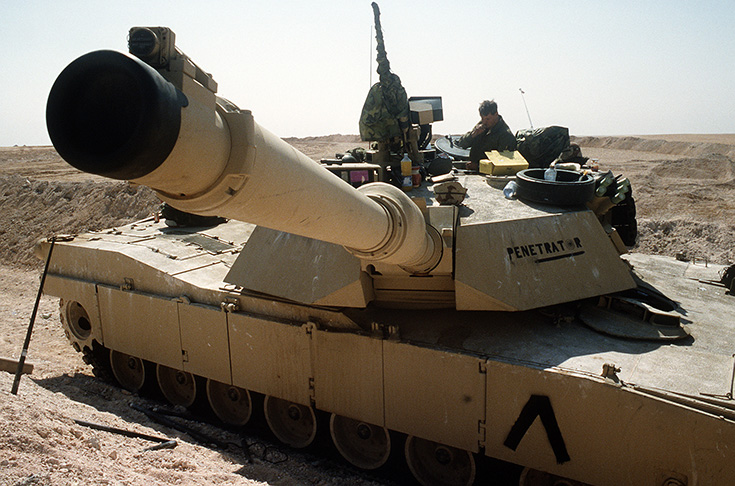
117, 116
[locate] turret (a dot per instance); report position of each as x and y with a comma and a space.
153, 118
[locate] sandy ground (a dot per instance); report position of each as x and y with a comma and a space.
684, 187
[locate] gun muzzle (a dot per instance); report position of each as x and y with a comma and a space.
113, 115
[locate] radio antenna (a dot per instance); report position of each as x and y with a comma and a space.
524, 104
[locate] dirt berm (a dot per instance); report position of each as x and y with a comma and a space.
683, 189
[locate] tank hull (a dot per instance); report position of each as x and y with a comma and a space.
523, 387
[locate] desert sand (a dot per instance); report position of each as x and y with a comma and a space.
684, 187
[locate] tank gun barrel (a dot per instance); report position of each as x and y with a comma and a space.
162, 126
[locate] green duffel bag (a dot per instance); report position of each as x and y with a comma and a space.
541, 146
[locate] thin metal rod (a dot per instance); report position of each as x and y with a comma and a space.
191, 431
27, 342
524, 104
125, 432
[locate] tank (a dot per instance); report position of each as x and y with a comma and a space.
496, 328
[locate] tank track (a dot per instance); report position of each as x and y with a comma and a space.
276, 418
504, 474
99, 359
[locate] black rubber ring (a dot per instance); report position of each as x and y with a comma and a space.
569, 189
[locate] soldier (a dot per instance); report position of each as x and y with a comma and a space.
491, 133
573, 153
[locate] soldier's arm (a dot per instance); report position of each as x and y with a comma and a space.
507, 141
467, 139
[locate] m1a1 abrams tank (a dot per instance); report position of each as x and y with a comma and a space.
499, 328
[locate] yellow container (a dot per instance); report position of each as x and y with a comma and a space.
503, 163
406, 166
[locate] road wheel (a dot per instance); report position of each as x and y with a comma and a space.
361, 444
292, 423
434, 464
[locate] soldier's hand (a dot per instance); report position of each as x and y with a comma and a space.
479, 129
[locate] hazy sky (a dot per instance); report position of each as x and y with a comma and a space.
303, 67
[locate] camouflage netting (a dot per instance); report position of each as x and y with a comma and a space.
385, 112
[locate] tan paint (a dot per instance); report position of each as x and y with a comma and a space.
434, 395
270, 358
630, 437
341, 359
204, 341
542, 261
122, 315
